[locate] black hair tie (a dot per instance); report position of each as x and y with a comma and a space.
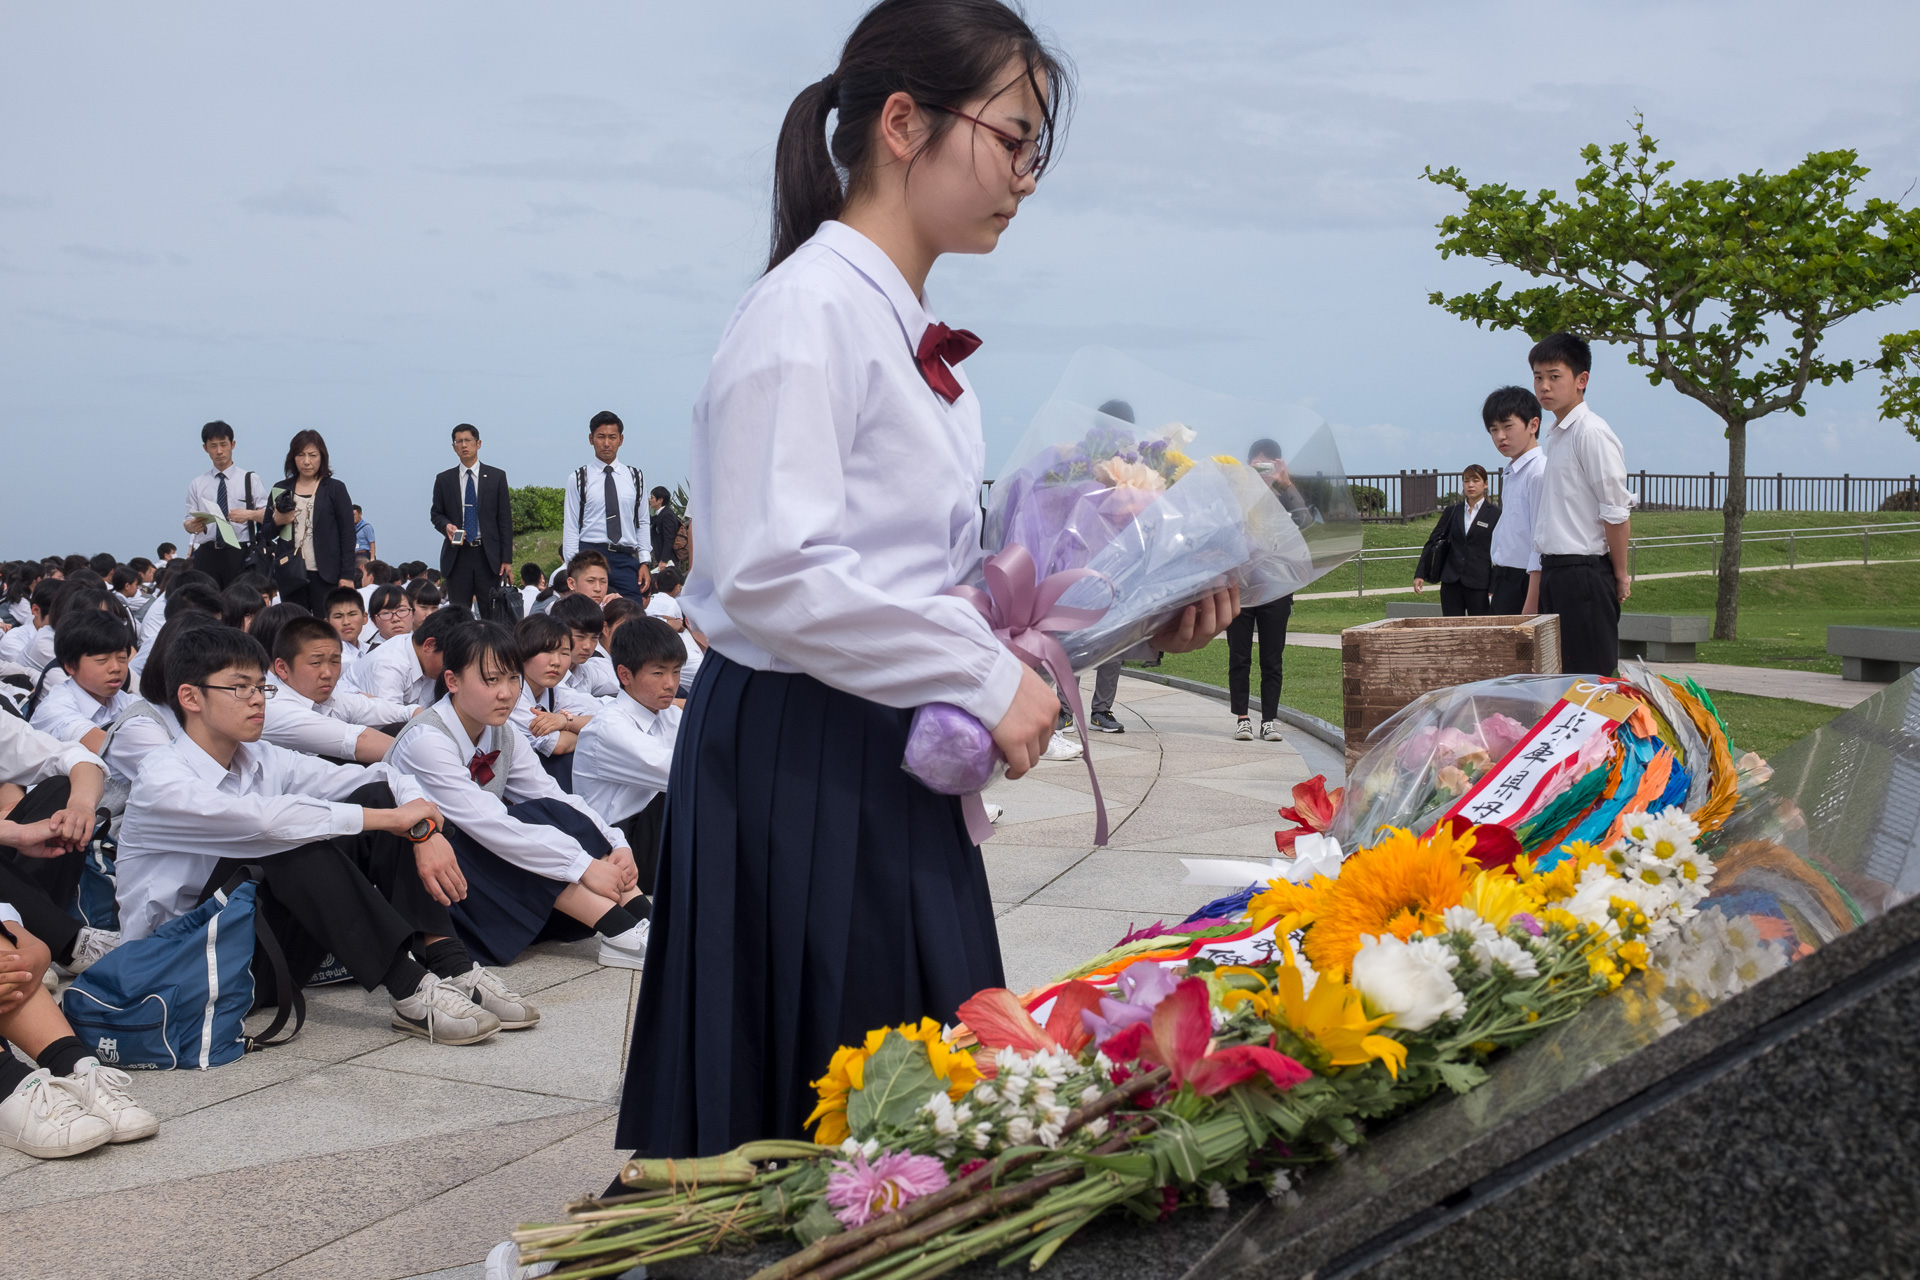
830, 91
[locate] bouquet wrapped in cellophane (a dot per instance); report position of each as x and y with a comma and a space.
1131, 493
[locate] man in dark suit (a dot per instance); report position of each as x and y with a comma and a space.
474, 514
1459, 551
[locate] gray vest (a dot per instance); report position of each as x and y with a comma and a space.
503, 737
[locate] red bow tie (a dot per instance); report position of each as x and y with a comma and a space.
939, 348
480, 768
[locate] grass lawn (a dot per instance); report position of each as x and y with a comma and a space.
542, 546
1312, 677
1767, 724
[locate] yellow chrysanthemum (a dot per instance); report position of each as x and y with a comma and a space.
1496, 897
847, 1071
1559, 884
1178, 464
1331, 1016
1226, 459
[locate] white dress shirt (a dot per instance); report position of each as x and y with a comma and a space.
593, 678
8, 915
186, 813
21, 611
838, 495
203, 494
662, 605
150, 623
1584, 485
437, 763
1512, 545
558, 698
635, 532
70, 713
294, 722
621, 761
1469, 512
28, 756
139, 737
527, 596
14, 645
462, 475
390, 673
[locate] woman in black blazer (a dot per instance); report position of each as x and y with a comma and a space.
1459, 551
315, 515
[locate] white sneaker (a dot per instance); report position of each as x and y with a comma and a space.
1270, 732
484, 988
440, 1013
1062, 748
994, 811
88, 948
504, 1264
104, 1090
626, 950
1243, 730
46, 1118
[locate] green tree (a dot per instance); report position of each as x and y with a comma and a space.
1697, 280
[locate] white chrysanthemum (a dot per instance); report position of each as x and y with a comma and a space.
1719, 956
1019, 1130
1089, 1094
1506, 953
985, 1094
982, 1135
1411, 981
1217, 1195
1097, 1126
1467, 921
945, 1122
1013, 1087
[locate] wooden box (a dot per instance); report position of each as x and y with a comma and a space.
1387, 664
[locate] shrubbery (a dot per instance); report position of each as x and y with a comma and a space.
1368, 500
1904, 500
537, 507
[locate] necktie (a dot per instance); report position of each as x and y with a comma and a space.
480, 768
941, 347
612, 501
221, 496
473, 522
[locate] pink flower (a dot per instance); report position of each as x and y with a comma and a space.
859, 1191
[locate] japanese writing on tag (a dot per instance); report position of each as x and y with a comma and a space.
1505, 794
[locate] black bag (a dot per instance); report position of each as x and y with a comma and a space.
504, 604
284, 563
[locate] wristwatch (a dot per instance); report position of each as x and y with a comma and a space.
423, 830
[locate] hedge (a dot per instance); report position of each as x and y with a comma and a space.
537, 507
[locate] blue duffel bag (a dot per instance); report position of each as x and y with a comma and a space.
180, 997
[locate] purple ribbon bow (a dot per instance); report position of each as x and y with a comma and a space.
1022, 608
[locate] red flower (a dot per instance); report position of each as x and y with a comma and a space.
1313, 811
1494, 846
1177, 1038
999, 1021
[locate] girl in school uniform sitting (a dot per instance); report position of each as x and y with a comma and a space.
538, 862
549, 714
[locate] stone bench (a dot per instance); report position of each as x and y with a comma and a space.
1663, 637
1881, 654
1411, 609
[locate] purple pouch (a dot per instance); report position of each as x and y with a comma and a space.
951, 752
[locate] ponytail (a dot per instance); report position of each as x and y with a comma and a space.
941, 53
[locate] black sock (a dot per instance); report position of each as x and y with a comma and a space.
63, 1054
402, 978
12, 1072
617, 921
447, 957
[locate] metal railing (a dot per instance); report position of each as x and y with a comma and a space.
1408, 495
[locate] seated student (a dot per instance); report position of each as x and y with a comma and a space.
72, 600
44, 837
18, 644
148, 723
549, 715
194, 593
378, 573
620, 765
303, 714
590, 576
405, 669
664, 604
590, 673
353, 861
538, 862
347, 615
389, 614
93, 648
425, 598
558, 587
240, 604
532, 583
67, 1102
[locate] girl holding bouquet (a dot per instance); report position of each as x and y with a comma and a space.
809, 889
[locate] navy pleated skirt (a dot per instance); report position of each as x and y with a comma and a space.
808, 891
509, 908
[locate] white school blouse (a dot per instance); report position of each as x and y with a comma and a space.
390, 673
838, 496
437, 764
621, 761
186, 813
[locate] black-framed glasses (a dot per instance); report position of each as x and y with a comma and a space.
1025, 153
244, 692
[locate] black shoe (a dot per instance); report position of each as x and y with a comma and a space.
1105, 722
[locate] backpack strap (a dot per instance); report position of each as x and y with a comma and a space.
639, 495
580, 506
39, 691
291, 1002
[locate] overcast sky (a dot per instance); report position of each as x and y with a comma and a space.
382, 219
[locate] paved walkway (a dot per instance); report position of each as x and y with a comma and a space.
355, 1153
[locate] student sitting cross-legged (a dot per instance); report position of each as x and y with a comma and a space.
93, 647
354, 862
67, 1102
620, 765
304, 715
147, 723
404, 670
538, 862
44, 837
549, 715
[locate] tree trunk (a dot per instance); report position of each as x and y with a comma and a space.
1726, 607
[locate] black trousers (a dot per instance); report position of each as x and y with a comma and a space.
1509, 590
358, 897
220, 561
472, 577
41, 889
1584, 595
642, 831
1460, 601
1271, 621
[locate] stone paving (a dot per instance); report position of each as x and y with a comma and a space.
356, 1153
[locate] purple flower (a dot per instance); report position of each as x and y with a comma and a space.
1142, 986
859, 1191
1526, 922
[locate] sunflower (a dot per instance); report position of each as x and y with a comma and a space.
847, 1071
1399, 887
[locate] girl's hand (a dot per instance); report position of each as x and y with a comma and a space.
1023, 732
1199, 623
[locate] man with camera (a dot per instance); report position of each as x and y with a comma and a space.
473, 512
237, 496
